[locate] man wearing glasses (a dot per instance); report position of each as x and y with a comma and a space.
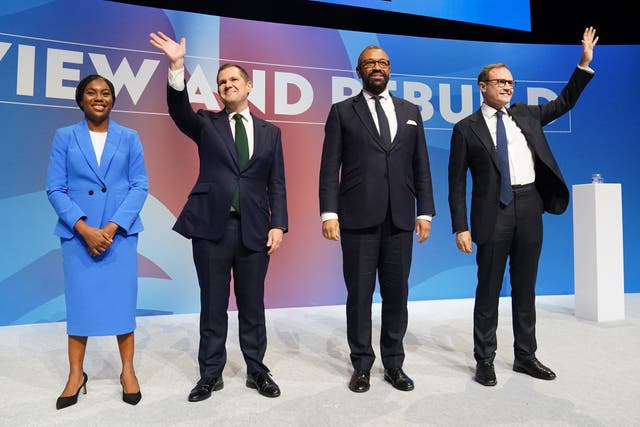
515, 179
375, 190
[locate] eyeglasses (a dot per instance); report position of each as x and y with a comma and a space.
371, 63
502, 82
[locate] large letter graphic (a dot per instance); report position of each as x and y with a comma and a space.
124, 77
466, 102
56, 73
282, 82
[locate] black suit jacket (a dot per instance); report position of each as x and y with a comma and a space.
263, 202
360, 177
473, 149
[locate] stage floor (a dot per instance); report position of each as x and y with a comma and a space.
596, 363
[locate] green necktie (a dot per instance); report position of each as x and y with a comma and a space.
242, 142
242, 148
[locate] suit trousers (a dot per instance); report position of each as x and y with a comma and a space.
385, 250
214, 261
518, 237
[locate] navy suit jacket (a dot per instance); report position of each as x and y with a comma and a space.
360, 177
473, 149
263, 202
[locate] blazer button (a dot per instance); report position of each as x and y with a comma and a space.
91, 192
104, 190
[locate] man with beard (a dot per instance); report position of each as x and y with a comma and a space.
374, 173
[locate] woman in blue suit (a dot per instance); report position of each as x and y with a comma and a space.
97, 183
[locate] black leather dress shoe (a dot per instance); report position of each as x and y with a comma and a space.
534, 368
359, 382
203, 389
398, 379
263, 382
485, 374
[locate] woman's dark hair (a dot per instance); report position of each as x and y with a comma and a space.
84, 82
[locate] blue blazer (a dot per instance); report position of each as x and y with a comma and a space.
78, 188
263, 201
360, 177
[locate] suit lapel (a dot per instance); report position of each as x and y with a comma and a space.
114, 135
81, 132
223, 126
362, 110
479, 127
259, 139
401, 119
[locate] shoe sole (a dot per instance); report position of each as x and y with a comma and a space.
358, 390
524, 371
486, 383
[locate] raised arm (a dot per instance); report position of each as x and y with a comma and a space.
589, 40
174, 51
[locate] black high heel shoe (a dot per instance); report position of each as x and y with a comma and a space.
64, 401
130, 398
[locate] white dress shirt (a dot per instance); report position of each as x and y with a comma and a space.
98, 139
387, 105
521, 165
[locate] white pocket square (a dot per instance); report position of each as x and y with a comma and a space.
412, 123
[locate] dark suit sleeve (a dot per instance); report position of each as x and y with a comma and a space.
544, 114
422, 173
182, 113
458, 166
330, 164
277, 187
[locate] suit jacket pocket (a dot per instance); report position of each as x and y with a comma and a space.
199, 205
200, 188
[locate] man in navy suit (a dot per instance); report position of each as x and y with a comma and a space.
374, 176
508, 224
235, 215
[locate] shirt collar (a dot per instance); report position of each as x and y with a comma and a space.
384, 94
489, 111
244, 113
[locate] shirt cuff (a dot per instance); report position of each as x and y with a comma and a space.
328, 215
176, 79
331, 215
587, 69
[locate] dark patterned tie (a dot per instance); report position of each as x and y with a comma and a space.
383, 122
242, 148
503, 161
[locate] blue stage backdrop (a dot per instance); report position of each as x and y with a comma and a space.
46, 47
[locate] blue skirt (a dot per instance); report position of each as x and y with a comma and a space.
101, 292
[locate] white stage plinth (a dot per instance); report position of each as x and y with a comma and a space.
598, 252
